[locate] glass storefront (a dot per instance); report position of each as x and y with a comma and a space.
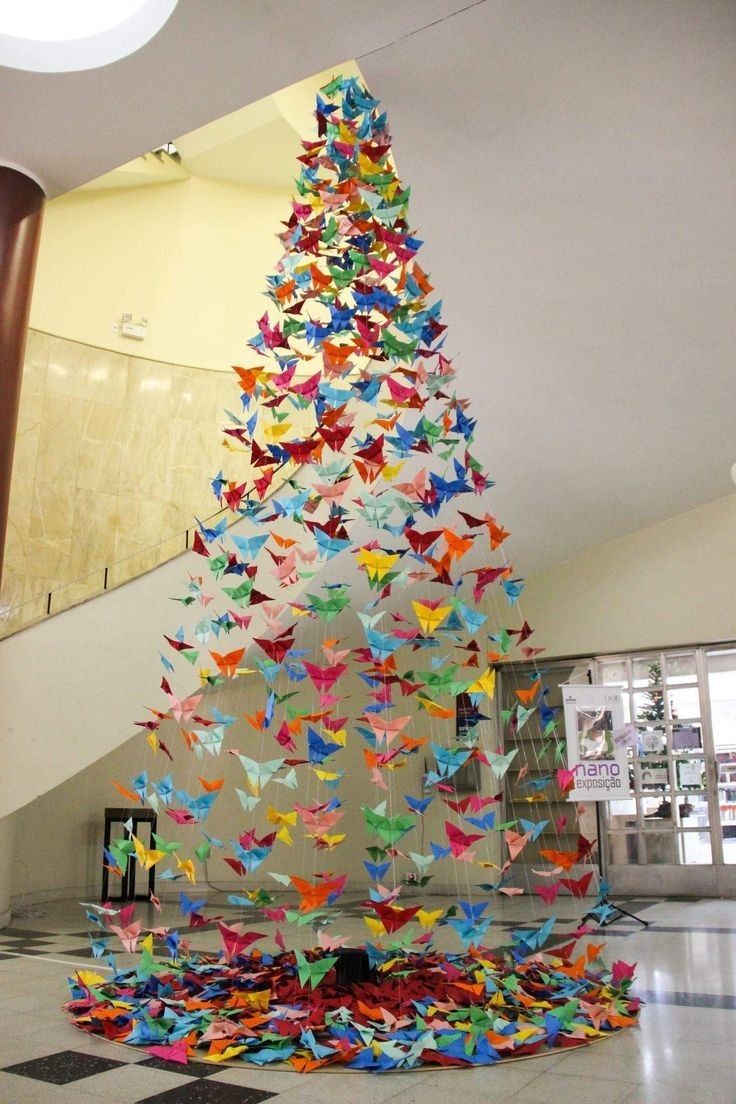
721, 671
681, 809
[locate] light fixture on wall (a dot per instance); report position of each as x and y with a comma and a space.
733, 472
169, 150
61, 36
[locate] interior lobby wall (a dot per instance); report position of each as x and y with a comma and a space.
671, 583
189, 256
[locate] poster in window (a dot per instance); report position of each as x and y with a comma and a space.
690, 772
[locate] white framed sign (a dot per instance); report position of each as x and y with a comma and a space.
596, 742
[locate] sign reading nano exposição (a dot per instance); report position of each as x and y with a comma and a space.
596, 752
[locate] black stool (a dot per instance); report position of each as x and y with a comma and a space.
353, 966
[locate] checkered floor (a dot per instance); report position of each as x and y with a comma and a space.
72, 1067
686, 966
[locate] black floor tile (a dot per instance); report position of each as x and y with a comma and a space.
75, 952
655, 928
190, 1069
687, 1000
682, 897
29, 949
202, 1091
64, 1067
24, 941
28, 933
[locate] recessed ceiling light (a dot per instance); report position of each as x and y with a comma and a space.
57, 36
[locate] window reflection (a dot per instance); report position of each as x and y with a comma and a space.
613, 673
680, 668
667, 819
622, 814
646, 672
722, 689
683, 703
623, 849
659, 848
694, 848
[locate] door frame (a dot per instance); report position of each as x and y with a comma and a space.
715, 879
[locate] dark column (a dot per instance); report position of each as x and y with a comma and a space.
21, 208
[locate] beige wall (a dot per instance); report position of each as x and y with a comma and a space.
671, 583
113, 456
190, 256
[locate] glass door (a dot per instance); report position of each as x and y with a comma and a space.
537, 757
678, 772
720, 668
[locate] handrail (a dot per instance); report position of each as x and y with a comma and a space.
15, 618
85, 587
110, 576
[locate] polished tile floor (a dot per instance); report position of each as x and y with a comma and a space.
683, 1051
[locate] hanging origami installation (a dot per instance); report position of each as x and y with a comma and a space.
352, 598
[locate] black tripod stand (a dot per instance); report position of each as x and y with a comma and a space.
605, 899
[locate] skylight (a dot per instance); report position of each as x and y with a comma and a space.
70, 35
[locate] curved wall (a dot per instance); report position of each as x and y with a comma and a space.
190, 256
113, 458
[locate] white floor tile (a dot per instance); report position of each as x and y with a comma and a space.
678, 1054
131, 1083
562, 1088
654, 1092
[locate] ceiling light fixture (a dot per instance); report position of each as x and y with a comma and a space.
61, 36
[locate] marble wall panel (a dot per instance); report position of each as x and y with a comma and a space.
68, 368
194, 451
143, 471
101, 448
149, 386
194, 394
114, 457
36, 361
52, 516
27, 435
107, 377
60, 431
95, 516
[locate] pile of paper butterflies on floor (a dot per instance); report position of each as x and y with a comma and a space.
362, 567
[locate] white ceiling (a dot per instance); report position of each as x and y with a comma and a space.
573, 174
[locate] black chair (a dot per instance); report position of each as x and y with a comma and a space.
127, 882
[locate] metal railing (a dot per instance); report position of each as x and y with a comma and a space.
13, 618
